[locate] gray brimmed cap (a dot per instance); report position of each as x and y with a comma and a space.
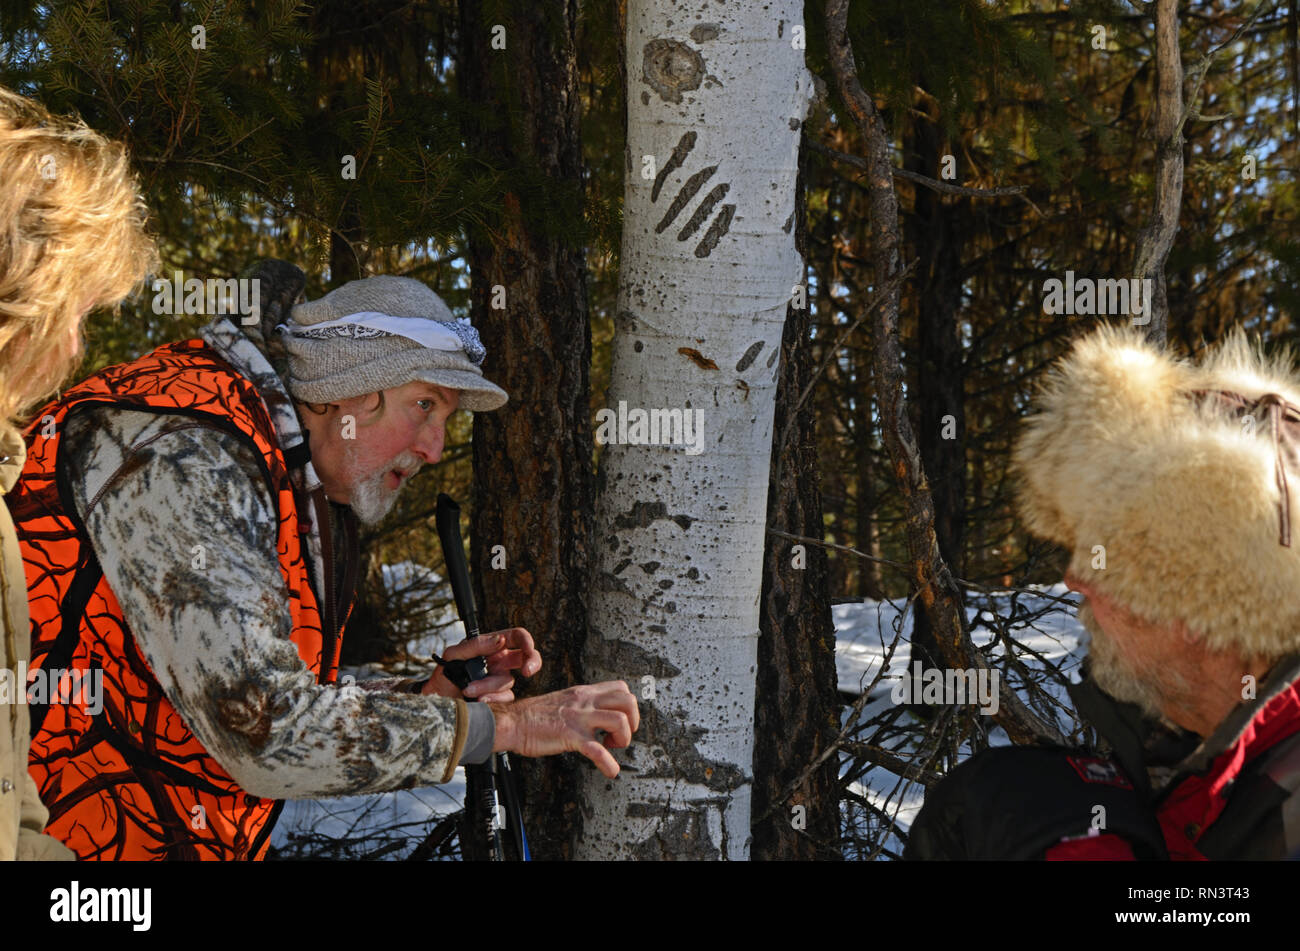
381, 332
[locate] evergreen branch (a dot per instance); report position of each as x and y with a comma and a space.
164, 160
266, 195
1198, 72
943, 188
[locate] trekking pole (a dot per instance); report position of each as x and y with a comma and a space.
491, 795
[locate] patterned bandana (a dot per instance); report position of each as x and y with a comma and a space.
365, 325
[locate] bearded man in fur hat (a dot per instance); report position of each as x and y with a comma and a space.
1179, 474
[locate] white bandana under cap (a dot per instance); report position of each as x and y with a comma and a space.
427, 332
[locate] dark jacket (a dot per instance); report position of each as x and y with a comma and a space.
1150, 793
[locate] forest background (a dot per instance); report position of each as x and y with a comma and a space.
481, 145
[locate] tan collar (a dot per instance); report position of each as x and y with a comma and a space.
13, 453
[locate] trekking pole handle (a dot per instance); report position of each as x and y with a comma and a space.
464, 672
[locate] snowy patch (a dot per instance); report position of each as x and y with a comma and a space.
1043, 629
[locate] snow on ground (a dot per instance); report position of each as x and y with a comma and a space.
408, 813
865, 634
372, 821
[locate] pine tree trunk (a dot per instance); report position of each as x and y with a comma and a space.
1157, 238
867, 530
534, 484
796, 710
932, 230
717, 94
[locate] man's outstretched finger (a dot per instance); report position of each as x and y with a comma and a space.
600, 756
618, 732
474, 647
523, 661
615, 695
518, 652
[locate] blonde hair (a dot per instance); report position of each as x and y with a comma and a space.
72, 239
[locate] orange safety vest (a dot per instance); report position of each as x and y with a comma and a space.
133, 782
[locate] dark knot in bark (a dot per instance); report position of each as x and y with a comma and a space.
671, 67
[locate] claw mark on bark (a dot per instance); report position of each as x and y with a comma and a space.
716, 230
643, 513
675, 161
625, 660
682, 829
699, 359
703, 211
681, 834
689, 188
671, 68
607, 581
750, 356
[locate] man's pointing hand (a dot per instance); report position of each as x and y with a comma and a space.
570, 721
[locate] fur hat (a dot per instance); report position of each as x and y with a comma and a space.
1143, 454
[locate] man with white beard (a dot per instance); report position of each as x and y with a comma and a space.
188, 523
1169, 485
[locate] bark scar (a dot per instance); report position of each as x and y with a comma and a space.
721, 225
671, 68
675, 161
643, 513
749, 356
699, 359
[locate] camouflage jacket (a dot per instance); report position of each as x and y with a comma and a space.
152, 491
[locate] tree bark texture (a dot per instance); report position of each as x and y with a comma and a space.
533, 476
1158, 237
717, 94
941, 422
797, 706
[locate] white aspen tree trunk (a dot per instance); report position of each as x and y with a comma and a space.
717, 95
